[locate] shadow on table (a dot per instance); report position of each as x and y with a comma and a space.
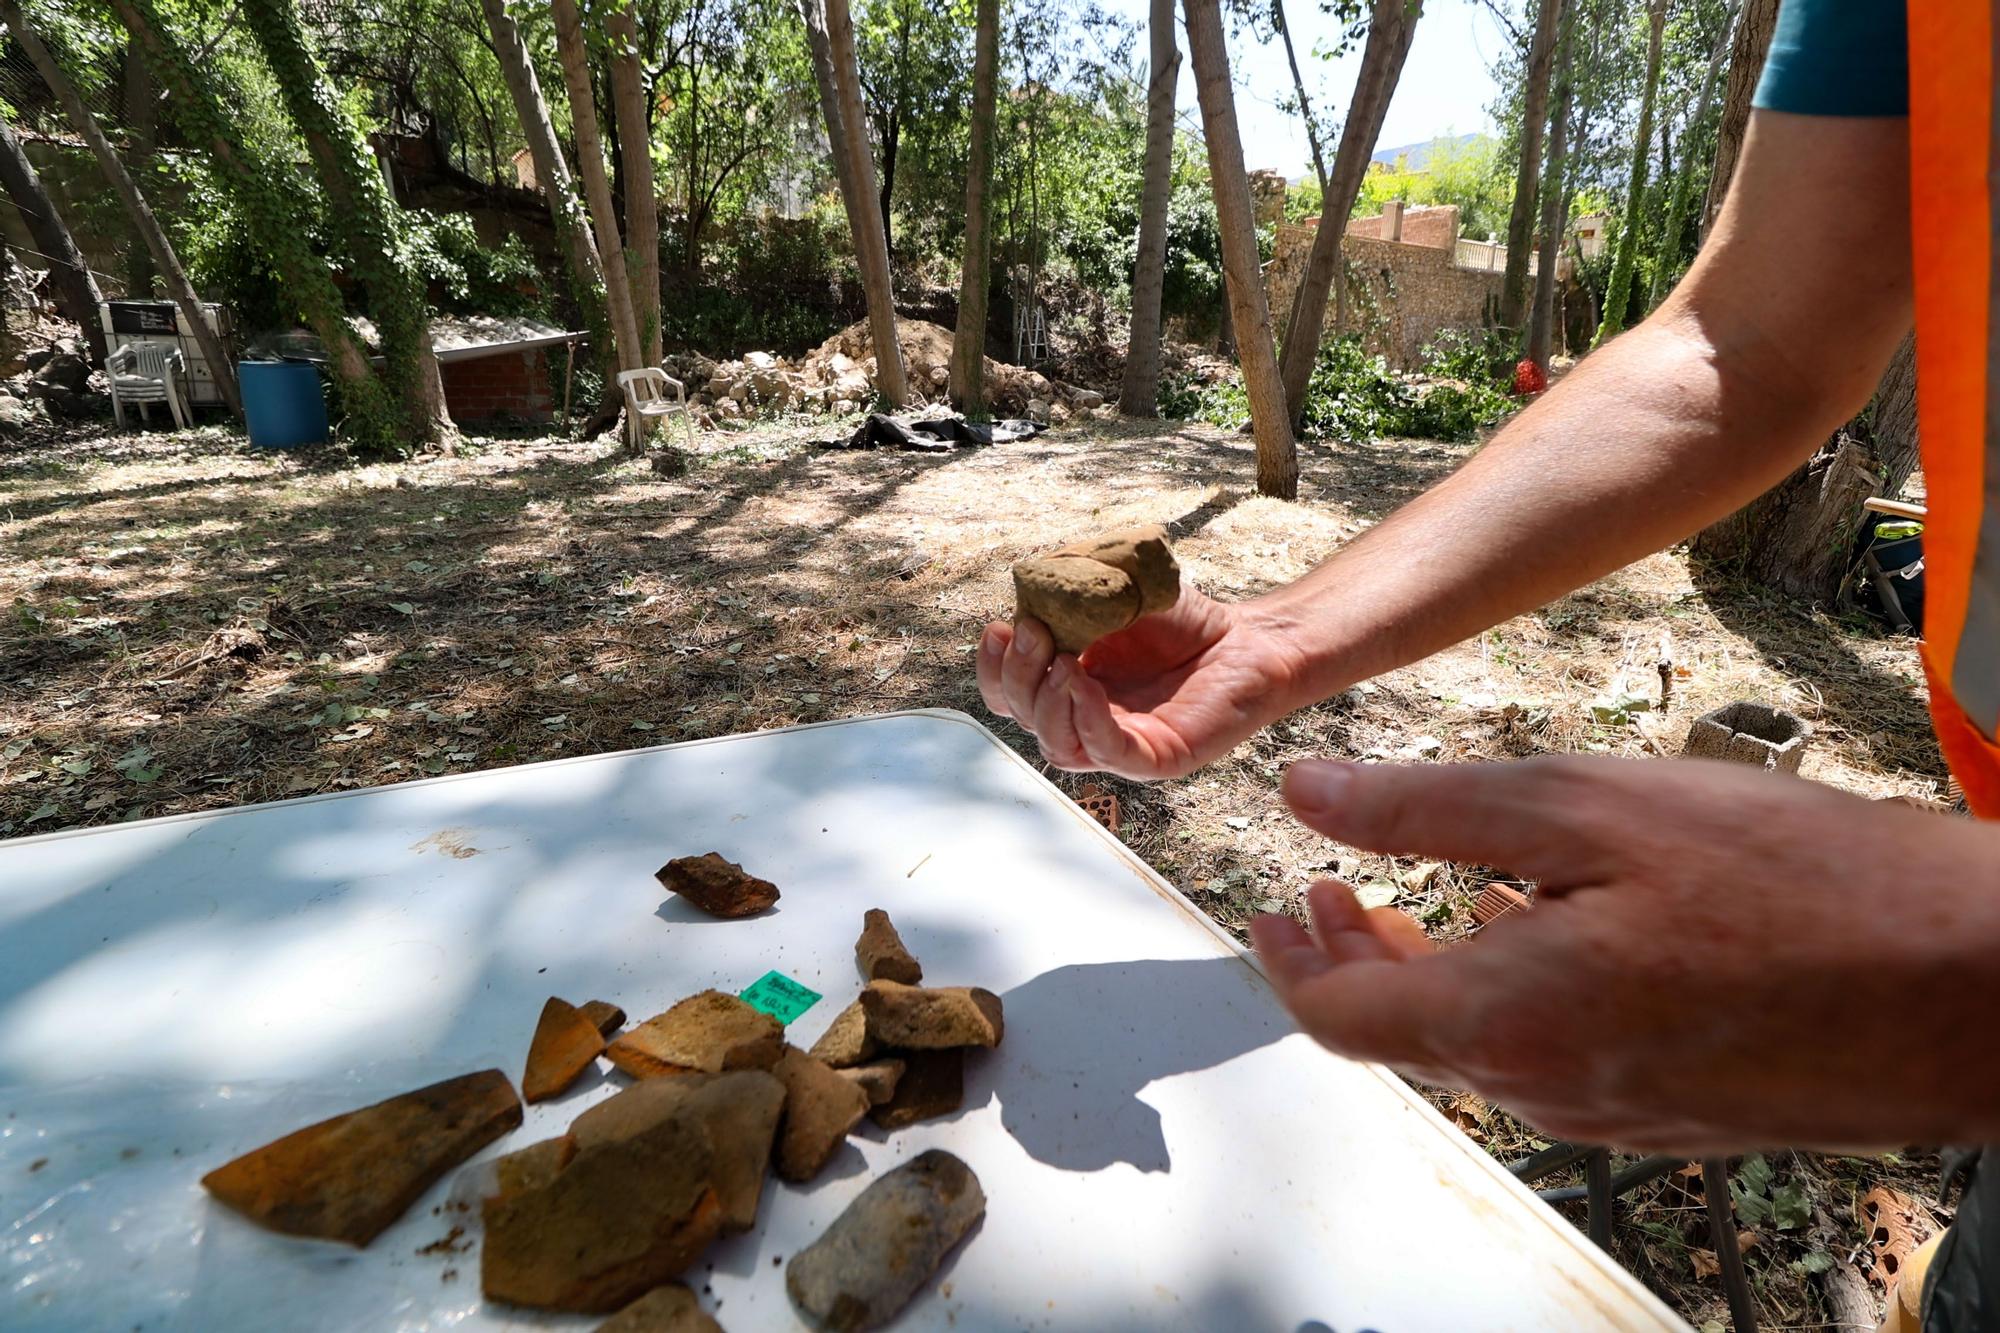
1084, 1041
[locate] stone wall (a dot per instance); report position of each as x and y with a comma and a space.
1398, 296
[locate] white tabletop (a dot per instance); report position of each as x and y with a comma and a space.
1159, 1148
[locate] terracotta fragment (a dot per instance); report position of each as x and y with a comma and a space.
1144, 556
933, 1084
915, 1018
882, 1250
705, 1033
880, 951
718, 887
877, 1078
1079, 599
846, 1042
565, 1043
533, 1166
820, 1108
669, 1309
348, 1178
739, 1110
620, 1218
607, 1016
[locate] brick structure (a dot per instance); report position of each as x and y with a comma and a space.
1397, 295
507, 384
1436, 227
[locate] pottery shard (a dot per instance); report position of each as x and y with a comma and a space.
533, 1166
1144, 556
718, 887
877, 1078
604, 1015
617, 1220
820, 1108
669, 1309
846, 1043
916, 1018
739, 1111
349, 1177
565, 1043
703, 1034
880, 951
880, 1252
1089, 589
933, 1084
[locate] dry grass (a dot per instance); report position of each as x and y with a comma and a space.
193, 625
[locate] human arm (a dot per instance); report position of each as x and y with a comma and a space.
1775, 338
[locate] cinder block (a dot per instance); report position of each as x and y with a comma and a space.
1750, 733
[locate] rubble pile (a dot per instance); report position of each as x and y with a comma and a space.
838, 378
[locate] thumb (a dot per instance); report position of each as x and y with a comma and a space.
1556, 820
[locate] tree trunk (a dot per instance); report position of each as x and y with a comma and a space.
1555, 211
596, 185
1527, 176
968, 343
1677, 207
642, 197
74, 285
1391, 28
1139, 396
871, 246
274, 212
1618, 292
552, 173
1284, 28
144, 223
1277, 455
1746, 66
1799, 536
819, 44
362, 214
142, 128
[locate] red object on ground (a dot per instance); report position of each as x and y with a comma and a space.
1529, 378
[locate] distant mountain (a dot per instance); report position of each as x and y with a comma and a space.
1419, 154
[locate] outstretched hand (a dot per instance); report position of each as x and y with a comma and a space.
1718, 957
1156, 700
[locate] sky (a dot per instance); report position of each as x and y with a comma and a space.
1445, 89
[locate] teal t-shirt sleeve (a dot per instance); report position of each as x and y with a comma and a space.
1838, 58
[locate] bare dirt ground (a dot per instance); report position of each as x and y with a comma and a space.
192, 625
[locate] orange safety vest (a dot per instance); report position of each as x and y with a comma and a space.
1954, 211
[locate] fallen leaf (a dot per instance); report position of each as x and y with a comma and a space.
1238, 821
1374, 892
404, 608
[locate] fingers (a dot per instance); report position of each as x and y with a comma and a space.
1105, 743
1560, 821
992, 654
1052, 724
1030, 654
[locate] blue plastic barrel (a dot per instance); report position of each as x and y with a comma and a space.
284, 405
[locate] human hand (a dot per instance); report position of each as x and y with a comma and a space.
1718, 957
1155, 700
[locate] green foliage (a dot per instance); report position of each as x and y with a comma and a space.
1191, 289
466, 275
1354, 395
1473, 175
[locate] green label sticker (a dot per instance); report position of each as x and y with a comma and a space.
779, 996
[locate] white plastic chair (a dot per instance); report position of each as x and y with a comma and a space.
646, 397
143, 374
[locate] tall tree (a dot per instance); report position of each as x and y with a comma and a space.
275, 212
575, 58
1555, 208
75, 286
1534, 114
1683, 187
1618, 291
158, 247
864, 213
968, 343
1277, 454
819, 46
635, 154
1284, 29
1139, 395
566, 213
1746, 65
1392, 26
141, 137
362, 214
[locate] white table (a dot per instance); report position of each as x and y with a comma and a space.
1159, 1147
